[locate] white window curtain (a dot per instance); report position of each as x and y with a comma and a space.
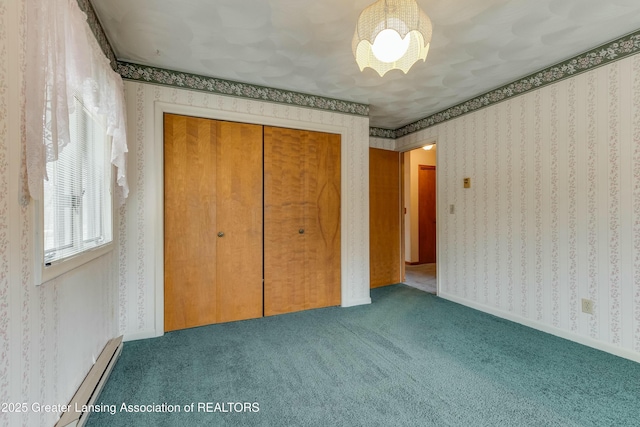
63, 58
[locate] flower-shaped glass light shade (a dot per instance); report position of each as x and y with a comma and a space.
391, 34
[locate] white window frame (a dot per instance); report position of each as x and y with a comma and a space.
46, 271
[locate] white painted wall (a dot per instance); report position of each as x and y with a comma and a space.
553, 214
413, 159
49, 334
140, 249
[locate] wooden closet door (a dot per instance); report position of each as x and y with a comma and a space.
384, 218
322, 219
189, 222
284, 287
212, 184
239, 208
302, 220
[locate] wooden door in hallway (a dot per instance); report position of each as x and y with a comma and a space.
427, 214
301, 220
385, 253
212, 221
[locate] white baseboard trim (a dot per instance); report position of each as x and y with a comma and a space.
153, 333
142, 335
571, 336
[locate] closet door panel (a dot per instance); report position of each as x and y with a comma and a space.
189, 221
239, 207
322, 219
213, 221
302, 220
284, 256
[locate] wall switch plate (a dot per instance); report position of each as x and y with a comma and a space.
587, 306
452, 209
466, 182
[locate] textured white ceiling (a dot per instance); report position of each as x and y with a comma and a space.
305, 45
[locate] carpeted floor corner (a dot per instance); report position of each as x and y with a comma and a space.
408, 359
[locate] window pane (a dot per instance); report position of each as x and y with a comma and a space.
58, 203
77, 197
93, 175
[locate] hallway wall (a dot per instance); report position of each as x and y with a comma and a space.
413, 159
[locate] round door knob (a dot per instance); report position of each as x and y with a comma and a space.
220, 234
301, 231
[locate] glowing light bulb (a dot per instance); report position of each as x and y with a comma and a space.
389, 46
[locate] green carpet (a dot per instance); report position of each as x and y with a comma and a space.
408, 359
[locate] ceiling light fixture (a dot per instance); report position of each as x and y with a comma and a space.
428, 147
391, 34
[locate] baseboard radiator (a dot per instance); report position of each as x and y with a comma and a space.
92, 385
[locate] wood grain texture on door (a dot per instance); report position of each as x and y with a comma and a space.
427, 214
384, 218
212, 184
189, 222
301, 220
239, 207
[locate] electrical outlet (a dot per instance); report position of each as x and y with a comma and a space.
452, 209
587, 306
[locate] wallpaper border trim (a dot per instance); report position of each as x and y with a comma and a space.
161, 76
382, 133
606, 53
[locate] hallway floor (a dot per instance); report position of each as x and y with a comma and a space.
422, 277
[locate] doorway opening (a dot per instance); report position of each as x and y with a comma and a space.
419, 188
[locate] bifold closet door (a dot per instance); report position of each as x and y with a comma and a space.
212, 221
301, 220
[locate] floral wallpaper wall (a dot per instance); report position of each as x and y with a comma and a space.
553, 213
51, 334
382, 143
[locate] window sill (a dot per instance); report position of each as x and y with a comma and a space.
59, 268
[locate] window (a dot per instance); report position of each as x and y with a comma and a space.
76, 130
77, 201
